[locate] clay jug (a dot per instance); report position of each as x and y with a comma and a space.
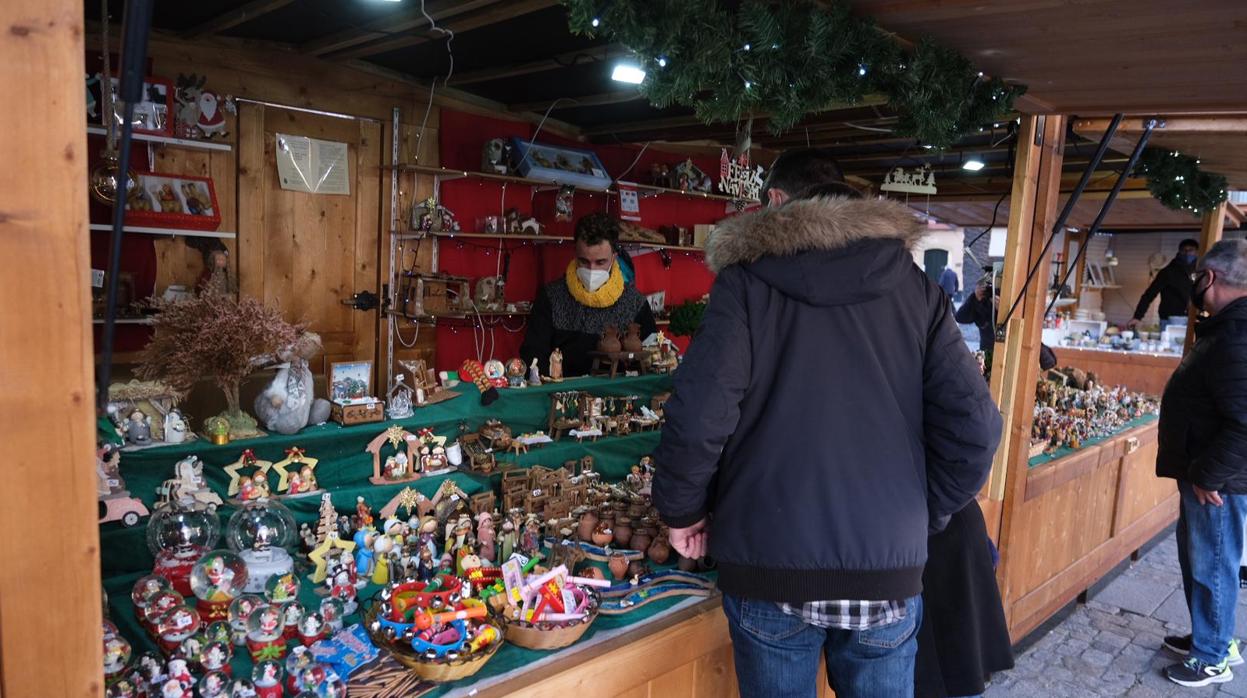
660, 550
687, 564
609, 342
590, 572
632, 341
588, 522
623, 531
603, 535
618, 565
641, 538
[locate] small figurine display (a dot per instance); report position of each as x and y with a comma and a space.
266, 677
689, 177
409, 458
253, 485
430, 216
217, 579
264, 634
496, 156
296, 474
177, 538
556, 366
1071, 409
115, 500
138, 428
200, 113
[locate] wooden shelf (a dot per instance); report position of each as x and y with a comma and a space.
166, 140
447, 173
459, 316
125, 321
412, 235
142, 230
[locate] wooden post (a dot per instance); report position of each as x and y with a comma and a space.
1037, 190
1211, 228
50, 633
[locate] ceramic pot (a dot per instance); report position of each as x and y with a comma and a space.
641, 538
637, 568
590, 572
609, 342
632, 340
659, 551
623, 531
636, 511
687, 564
588, 522
618, 565
603, 535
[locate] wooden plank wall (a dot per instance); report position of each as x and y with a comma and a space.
50, 607
1147, 374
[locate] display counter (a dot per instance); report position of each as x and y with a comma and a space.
1141, 371
1083, 513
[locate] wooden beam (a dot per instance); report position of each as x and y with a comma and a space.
1211, 230
1039, 189
493, 14
1236, 124
51, 643
235, 17
563, 60
828, 115
409, 20
599, 100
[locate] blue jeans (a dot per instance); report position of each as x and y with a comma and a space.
1210, 547
777, 654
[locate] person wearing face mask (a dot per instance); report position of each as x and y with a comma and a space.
1203, 445
1173, 285
571, 313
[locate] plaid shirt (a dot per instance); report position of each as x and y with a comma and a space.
848, 615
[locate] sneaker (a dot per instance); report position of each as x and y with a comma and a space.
1181, 646
1195, 673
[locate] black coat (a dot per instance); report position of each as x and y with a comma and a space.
1203, 414
1173, 284
980, 314
964, 637
559, 321
827, 413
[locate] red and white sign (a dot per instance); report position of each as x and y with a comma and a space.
629, 202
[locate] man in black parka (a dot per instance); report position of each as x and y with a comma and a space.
827, 416
1203, 444
1173, 284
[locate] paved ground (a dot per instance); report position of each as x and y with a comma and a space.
1112, 645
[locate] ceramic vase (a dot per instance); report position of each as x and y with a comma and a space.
618, 565
632, 340
610, 341
659, 551
603, 535
588, 523
623, 531
641, 538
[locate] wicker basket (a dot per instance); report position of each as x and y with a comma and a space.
535, 637
439, 671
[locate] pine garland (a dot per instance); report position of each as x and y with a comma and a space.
1177, 181
792, 58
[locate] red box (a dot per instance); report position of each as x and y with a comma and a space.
173, 201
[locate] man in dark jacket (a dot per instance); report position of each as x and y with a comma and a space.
827, 416
1172, 284
1203, 444
977, 310
571, 313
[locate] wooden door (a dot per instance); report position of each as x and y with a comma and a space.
306, 253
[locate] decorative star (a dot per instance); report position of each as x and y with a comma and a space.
246, 460
395, 435
318, 555
294, 456
408, 499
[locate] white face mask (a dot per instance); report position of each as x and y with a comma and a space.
593, 279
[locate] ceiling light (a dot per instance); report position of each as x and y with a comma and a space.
973, 163
596, 22
626, 72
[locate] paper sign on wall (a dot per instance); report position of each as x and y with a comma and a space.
313, 166
629, 202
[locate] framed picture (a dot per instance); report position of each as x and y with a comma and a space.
350, 382
1094, 277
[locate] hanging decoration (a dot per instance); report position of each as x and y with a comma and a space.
737, 179
919, 180
786, 60
629, 201
1177, 181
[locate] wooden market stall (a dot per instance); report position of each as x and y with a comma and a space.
372, 79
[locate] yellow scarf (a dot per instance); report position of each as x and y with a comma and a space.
604, 297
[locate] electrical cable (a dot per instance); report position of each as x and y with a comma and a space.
634, 162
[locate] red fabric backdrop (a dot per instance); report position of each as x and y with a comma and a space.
533, 264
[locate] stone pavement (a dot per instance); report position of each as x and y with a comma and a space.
1111, 646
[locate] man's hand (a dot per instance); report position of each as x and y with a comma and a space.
693, 541
1204, 496
1134, 322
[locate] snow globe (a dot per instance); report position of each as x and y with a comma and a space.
216, 580
177, 537
260, 532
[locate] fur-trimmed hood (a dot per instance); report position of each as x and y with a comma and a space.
818, 250
825, 223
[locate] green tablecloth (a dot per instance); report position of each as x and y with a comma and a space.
344, 468
1064, 451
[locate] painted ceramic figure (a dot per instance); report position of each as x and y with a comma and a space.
138, 428
485, 535
556, 365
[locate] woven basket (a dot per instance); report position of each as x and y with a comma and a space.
439, 671
534, 637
